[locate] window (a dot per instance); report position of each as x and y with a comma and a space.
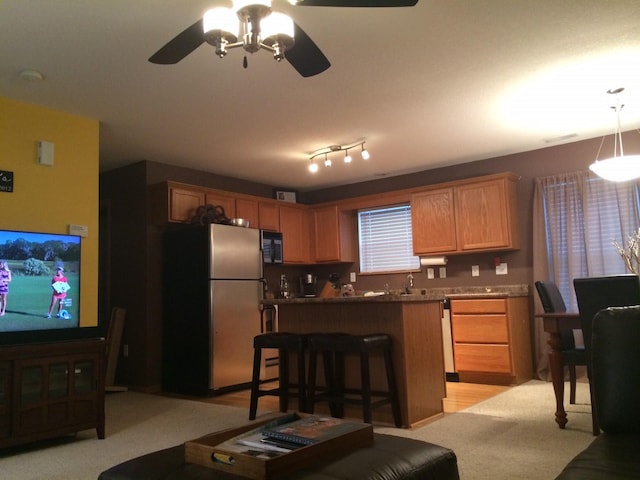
583, 215
386, 242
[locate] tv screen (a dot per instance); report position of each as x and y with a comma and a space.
39, 286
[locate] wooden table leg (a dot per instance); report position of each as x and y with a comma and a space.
557, 377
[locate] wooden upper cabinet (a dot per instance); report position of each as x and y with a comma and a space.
433, 222
183, 204
485, 215
269, 216
295, 227
227, 202
335, 235
248, 209
467, 216
262, 215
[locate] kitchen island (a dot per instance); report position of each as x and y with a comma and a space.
414, 324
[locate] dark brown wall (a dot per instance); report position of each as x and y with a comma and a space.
136, 247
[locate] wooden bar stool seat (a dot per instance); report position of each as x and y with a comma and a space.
334, 347
287, 344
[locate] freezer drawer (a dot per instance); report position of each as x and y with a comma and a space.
235, 320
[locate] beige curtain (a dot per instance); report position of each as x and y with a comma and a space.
576, 217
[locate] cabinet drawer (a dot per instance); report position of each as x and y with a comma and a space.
479, 305
480, 328
482, 358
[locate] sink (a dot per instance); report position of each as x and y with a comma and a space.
416, 291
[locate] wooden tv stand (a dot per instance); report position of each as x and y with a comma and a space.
51, 389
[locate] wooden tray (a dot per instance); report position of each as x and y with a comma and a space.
219, 452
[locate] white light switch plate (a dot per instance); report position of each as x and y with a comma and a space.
431, 273
352, 277
443, 272
501, 269
475, 271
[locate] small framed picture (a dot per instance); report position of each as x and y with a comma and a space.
285, 195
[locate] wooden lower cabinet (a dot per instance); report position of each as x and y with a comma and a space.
491, 340
50, 390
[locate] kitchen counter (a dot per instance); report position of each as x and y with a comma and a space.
416, 295
414, 322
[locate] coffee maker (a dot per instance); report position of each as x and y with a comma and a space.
308, 284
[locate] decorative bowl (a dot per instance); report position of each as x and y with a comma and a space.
240, 222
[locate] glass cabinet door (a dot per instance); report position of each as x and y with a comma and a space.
4, 399
32, 381
84, 377
58, 380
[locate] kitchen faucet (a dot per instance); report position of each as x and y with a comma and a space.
409, 283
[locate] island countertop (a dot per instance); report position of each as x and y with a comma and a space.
414, 325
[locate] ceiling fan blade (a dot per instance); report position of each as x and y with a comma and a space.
356, 3
180, 46
305, 56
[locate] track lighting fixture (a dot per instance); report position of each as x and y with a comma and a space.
313, 167
620, 167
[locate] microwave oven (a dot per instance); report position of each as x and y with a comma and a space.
271, 247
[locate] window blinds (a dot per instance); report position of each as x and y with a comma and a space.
386, 242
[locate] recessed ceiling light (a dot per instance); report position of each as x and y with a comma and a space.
31, 75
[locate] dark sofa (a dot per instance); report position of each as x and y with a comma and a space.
615, 453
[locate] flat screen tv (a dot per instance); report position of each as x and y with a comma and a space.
40, 288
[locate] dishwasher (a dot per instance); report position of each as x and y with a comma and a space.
447, 343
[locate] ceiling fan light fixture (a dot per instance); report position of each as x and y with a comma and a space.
620, 167
277, 33
220, 24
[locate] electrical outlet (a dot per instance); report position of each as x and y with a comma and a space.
475, 271
443, 272
431, 273
501, 269
352, 277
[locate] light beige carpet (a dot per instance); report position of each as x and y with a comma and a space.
509, 436
512, 435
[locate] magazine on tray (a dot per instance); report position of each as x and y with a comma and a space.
312, 429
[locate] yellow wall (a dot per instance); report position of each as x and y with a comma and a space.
49, 198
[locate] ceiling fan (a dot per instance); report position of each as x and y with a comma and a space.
256, 18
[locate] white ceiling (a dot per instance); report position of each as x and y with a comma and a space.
441, 83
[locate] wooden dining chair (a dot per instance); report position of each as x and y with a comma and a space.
595, 294
572, 356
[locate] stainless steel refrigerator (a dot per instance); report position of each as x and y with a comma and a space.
213, 285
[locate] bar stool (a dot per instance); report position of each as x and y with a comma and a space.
286, 343
333, 347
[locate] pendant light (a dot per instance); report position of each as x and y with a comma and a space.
620, 167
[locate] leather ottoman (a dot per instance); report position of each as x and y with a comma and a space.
389, 458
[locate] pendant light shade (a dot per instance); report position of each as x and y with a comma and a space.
617, 169
620, 167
